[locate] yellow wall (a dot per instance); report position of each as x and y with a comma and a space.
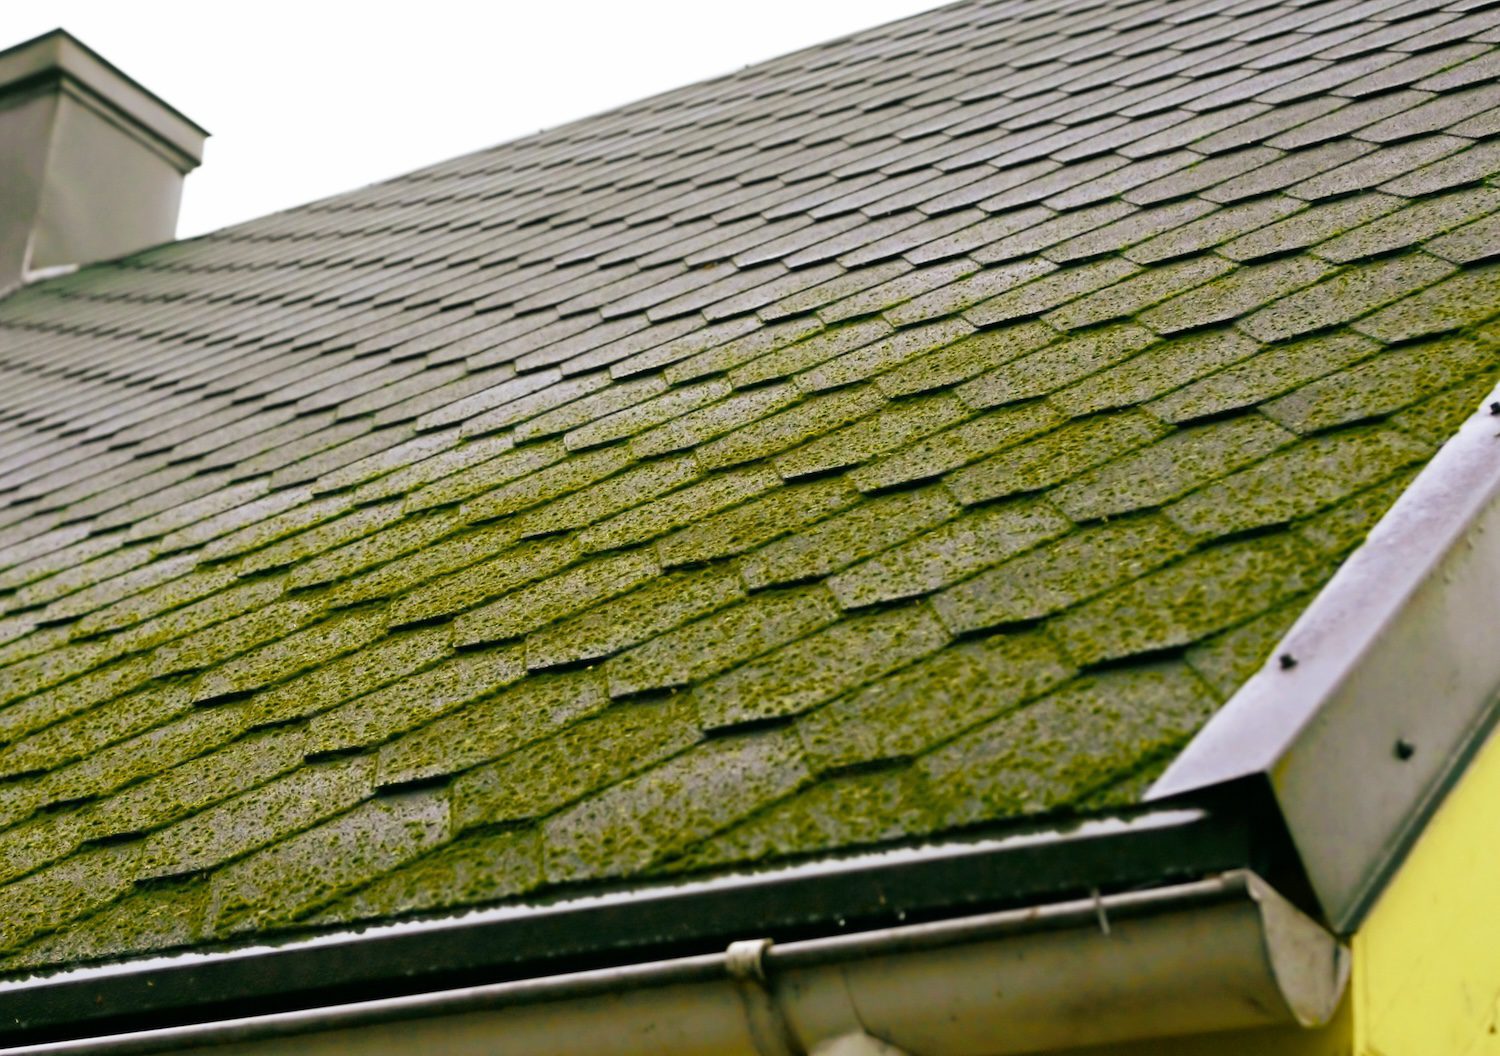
1427, 960
1426, 973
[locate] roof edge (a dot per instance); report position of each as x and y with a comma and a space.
835, 894
1252, 960
1329, 720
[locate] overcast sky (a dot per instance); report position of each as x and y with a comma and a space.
307, 98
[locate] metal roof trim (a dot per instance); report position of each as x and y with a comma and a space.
1329, 719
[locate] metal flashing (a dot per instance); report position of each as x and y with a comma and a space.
59, 54
1371, 705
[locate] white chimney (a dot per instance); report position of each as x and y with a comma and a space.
91, 164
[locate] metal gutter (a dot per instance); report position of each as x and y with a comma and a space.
1216, 954
839, 894
1376, 699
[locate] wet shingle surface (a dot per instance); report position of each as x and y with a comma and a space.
923, 430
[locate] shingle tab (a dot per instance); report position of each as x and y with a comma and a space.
925, 430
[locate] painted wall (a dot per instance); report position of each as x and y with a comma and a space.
1426, 977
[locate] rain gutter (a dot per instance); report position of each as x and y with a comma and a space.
819, 900
1222, 953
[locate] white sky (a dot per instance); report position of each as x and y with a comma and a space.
306, 98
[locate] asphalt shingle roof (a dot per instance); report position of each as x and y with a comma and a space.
927, 429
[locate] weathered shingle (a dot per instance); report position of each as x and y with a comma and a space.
917, 431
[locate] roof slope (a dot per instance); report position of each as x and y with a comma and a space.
926, 429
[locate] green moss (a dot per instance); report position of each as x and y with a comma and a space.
1297, 481
745, 527
1236, 294
490, 726
1182, 603
568, 592
1173, 466
803, 421
1054, 457
484, 867
1125, 299
720, 640
948, 553
1346, 296
1056, 365
715, 420
1273, 372
1159, 369
1227, 660
905, 713
291, 878
679, 508
1051, 290
1204, 232
1386, 383
584, 758
658, 814
414, 700
964, 359
810, 670
257, 817
1046, 755
466, 587
1053, 577
983, 435
1462, 301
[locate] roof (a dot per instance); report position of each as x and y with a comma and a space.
926, 430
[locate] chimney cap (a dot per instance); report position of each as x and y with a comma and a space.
40, 63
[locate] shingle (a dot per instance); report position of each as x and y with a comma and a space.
1273, 372
716, 480
1126, 233
671, 806
1054, 457
1416, 223
737, 633
1380, 385
1310, 226
1058, 576
1173, 466
1345, 296
947, 553
1078, 739
1217, 227
925, 704
1294, 168
1448, 110
1206, 592
1128, 297
1237, 294
747, 526
1040, 372
613, 626
1478, 162
930, 458
1470, 244
839, 541
1296, 482
1373, 169
1051, 290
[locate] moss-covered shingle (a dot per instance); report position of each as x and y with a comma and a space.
800, 461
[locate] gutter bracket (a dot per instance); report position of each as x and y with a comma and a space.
769, 1029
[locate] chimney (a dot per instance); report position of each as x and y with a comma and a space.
91, 164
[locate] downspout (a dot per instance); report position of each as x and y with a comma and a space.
1217, 954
